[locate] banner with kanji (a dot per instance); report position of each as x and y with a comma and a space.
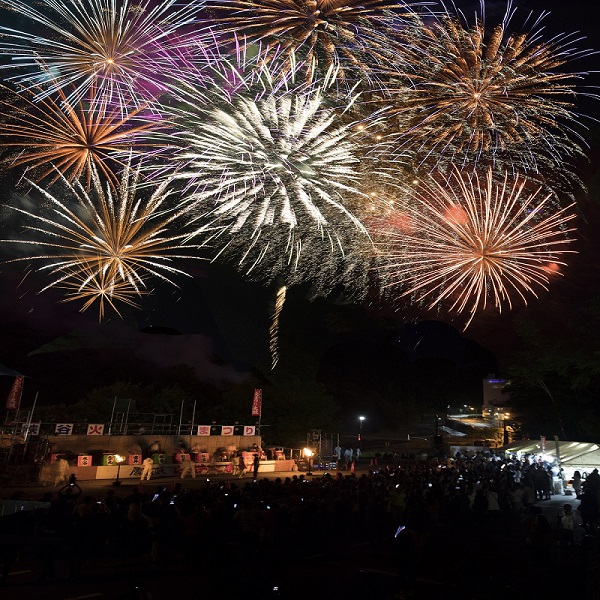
34, 428
63, 429
95, 429
257, 402
203, 430
13, 401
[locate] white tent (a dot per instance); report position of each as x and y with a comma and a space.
574, 456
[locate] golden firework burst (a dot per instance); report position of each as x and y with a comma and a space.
57, 136
468, 241
92, 240
465, 93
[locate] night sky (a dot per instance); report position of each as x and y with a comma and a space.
218, 324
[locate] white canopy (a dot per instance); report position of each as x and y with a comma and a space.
581, 456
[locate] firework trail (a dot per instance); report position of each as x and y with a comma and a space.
112, 44
274, 327
94, 241
469, 242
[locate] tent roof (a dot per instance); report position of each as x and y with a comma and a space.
571, 453
9, 372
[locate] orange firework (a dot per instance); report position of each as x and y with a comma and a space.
105, 244
464, 93
476, 241
93, 286
57, 136
342, 34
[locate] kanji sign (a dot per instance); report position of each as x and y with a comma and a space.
63, 429
203, 430
13, 401
257, 402
84, 461
95, 429
34, 428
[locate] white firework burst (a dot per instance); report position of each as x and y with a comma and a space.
272, 172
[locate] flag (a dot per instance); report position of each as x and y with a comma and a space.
13, 402
257, 403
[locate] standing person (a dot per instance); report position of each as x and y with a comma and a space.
337, 451
243, 468
187, 466
255, 465
147, 467
358, 453
577, 483
348, 458
566, 525
235, 464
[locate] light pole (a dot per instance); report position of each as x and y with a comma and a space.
120, 460
360, 421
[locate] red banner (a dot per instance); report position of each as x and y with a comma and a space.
13, 401
257, 403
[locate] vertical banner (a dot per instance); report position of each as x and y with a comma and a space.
13, 401
543, 440
257, 402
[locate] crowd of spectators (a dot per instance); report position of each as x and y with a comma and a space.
420, 520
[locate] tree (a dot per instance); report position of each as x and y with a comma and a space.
555, 377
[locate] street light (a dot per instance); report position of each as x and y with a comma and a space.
119, 460
360, 420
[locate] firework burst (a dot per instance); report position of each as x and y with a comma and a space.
57, 137
104, 245
468, 241
112, 44
344, 34
91, 286
463, 94
272, 173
